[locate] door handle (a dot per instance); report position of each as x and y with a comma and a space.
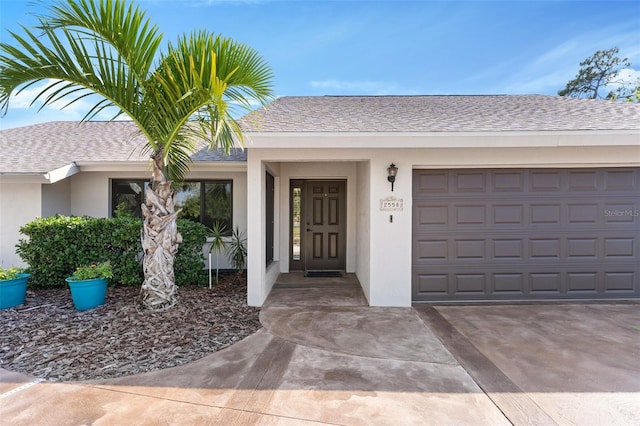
309, 230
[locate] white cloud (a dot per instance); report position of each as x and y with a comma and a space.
75, 111
551, 70
356, 87
626, 76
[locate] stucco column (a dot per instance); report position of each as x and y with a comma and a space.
256, 292
390, 278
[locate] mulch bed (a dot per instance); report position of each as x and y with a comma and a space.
47, 338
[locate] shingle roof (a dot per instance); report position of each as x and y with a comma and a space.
477, 113
41, 148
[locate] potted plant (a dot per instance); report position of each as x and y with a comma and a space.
88, 285
13, 287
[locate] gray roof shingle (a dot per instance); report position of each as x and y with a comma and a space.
41, 148
434, 113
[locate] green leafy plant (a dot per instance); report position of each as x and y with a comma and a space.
237, 250
189, 265
56, 245
218, 244
92, 271
9, 273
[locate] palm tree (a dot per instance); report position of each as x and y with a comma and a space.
176, 98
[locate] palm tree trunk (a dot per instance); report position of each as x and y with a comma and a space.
160, 239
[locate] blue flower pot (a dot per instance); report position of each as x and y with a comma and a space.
13, 292
87, 294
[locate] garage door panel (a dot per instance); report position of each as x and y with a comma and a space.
582, 248
508, 181
509, 247
620, 212
508, 283
621, 180
433, 215
560, 284
545, 282
530, 234
545, 181
622, 281
579, 180
432, 285
583, 282
470, 284
507, 214
583, 213
466, 249
545, 213
470, 182
615, 248
542, 248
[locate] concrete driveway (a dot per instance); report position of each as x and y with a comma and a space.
328, 359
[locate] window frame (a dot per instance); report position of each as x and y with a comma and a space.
202, 194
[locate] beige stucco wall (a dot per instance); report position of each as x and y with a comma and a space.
56, 198
20, 203
385, 268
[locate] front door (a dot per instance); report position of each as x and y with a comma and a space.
323, 225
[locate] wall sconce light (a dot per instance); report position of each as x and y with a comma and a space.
393, 171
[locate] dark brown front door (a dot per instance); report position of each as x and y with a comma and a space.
324, 216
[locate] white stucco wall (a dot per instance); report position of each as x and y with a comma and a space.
363, 227
20, 203
385, 269
390, 234
56, 198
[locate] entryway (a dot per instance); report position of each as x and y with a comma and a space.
318, 227
294, 289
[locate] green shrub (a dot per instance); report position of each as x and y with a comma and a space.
189, 264
57, 245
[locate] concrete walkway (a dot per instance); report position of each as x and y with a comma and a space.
324, 357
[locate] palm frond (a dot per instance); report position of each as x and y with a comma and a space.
109, 47
87, 45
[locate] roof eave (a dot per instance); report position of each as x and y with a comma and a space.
444, 139
41, 177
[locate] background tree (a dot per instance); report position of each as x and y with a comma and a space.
110, 48
598, 73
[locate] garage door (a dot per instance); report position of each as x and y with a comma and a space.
526, 234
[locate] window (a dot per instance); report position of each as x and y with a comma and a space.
270, 216
129, 193
206, 201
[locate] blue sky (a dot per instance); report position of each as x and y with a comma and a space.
390, 47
